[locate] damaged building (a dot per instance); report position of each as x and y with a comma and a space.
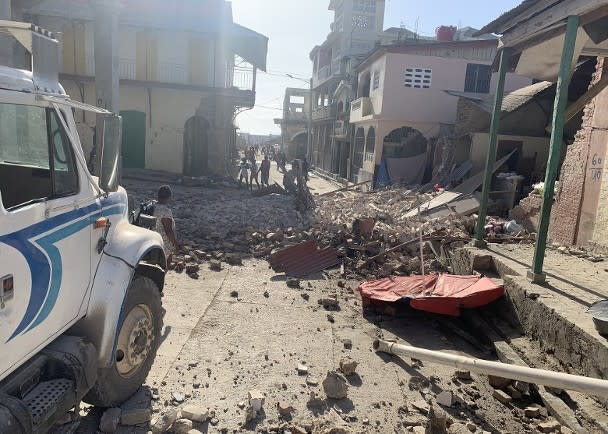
185, 70
295, 122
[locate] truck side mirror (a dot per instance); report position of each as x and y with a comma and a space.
110, 153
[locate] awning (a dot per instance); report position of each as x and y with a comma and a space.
250, 45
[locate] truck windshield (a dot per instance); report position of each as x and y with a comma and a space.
36, 159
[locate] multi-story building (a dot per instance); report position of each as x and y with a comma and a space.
185, 69
402, 106
295, 122
356, 29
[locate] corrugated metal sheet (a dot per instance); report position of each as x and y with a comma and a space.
303, 259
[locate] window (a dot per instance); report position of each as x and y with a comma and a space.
478, 78
376, 83
34, 149
418, 77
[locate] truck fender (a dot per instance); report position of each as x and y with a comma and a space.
130, 250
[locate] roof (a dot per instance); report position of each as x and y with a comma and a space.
498, 25
511, 101
426, 46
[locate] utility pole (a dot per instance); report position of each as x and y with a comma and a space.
309, 146
107, 84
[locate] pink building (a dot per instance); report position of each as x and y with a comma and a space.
402, 107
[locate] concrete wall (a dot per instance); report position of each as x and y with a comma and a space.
166, 110
531, 146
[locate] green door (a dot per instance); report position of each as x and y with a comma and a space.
133, 139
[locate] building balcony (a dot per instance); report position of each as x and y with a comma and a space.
324, 113
341, 130
361, 108
327, 72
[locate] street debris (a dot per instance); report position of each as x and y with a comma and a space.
303, 259
335, 385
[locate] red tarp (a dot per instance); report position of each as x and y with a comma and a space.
444, 293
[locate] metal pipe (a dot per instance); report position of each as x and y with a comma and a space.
559, 380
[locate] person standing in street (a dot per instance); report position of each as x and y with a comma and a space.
254, 174
244, 172
265, 170
165, 224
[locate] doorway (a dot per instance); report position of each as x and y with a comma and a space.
196, 146
133, 139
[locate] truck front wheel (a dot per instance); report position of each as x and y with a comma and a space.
136, 344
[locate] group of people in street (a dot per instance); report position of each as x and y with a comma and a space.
249, 171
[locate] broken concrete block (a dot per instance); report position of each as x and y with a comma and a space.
463, 375
293, 283
549, 426
178, 397
437, 421
164, 422
135, 416
192, 268
498, 382
522, 386
182, 426
256, 400
515, 394
312, 381
302, 369
195, 413
348, 366
110, 420
532, 412
335, 385
194, 431
329, 303
445, 398
284, 408
421, 405
502, 396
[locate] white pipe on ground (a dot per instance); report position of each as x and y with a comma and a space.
559, 380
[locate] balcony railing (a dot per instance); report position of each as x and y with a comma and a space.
340, 129
326, 112
127, 69
334, 68
172, 73
361, 108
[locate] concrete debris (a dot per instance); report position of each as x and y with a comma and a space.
215, 266
195, 413
502, 396
110, 420
422, 406
302, 369
256, 400
284, 408
182, 426
348, 366
335, 385
463, 375
498, 382
532, 412
549, 426
437, 421
178, 397
445, 398
329, 303
135, 416
293, 283
164, 422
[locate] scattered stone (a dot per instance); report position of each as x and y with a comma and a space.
215, 266
515, 394
194, 431
445, 398
502, 396
463, 375
330, 318
192, 268
110, 420
284, 408
293, 283
266, 294
532, 412
256, 400
234, 294
182, 426
471, 426
329, 303
305, 296
421, 405
214, 421
498, 382
312, 382
437, 421
195, 413
522, 386
348, 366
302, 369
135, 416
348, 344
335, 385
549, 426
164, 422
412, 420
178, 397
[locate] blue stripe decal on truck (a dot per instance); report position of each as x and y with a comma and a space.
46, 272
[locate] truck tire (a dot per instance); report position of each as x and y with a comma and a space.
135, 348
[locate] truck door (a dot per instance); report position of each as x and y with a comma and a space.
47, 217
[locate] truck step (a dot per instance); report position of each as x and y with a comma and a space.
44, 400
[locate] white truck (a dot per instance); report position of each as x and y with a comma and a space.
80, 287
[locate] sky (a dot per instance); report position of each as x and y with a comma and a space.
294, 27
